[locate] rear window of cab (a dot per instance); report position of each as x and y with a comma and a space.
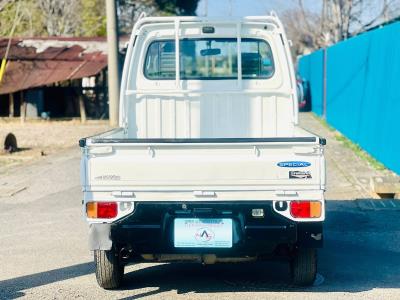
209, 58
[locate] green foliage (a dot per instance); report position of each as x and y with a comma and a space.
352, 146
29, 20
359, 152
93, 18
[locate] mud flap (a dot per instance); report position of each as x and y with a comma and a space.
310, 235
100, 237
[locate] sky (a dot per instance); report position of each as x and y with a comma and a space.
251, 7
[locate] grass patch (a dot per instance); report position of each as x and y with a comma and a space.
324, 123
359, 152
352, 146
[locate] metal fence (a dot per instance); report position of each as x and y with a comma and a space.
362, 91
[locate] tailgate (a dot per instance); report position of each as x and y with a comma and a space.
205, 166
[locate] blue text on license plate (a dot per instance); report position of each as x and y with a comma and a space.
202, 233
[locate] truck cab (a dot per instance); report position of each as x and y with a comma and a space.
208, 164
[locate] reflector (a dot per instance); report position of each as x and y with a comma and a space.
305, 209
91, 209
315, 209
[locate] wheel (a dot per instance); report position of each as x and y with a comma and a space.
304, 267
109, 270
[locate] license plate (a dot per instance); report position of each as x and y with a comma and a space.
203, 233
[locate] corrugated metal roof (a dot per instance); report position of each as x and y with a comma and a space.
39, 62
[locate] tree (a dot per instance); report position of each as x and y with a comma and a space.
60, 17
302, 34
82, 17
178, 7
338, 20
129, 10
29, 19
93, 18
3, 3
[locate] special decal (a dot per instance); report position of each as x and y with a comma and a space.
300, 175
293, 164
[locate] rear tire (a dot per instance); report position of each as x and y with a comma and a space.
109, 270
304, 267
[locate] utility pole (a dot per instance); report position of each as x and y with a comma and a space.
324, 83
113, 70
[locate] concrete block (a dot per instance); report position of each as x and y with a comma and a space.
385, 185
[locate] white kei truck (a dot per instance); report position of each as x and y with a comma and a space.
209, 164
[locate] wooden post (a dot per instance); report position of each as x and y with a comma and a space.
11, 105
82, 110
22, 107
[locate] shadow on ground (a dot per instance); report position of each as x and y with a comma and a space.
360, 254
12, 288
22, 149
350, 268
355, 258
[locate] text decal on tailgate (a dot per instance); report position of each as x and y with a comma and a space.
293, 164
300, 174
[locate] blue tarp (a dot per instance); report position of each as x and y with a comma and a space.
363, 98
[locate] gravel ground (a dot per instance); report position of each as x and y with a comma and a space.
40, 138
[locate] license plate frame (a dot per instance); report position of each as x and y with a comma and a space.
203, 233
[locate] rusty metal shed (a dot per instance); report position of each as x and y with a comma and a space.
40, 62
54, 66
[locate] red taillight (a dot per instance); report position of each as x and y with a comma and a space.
107, 210
102, 210
305, 209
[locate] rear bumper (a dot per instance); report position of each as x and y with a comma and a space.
149, 229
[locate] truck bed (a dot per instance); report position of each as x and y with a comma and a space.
195, 169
